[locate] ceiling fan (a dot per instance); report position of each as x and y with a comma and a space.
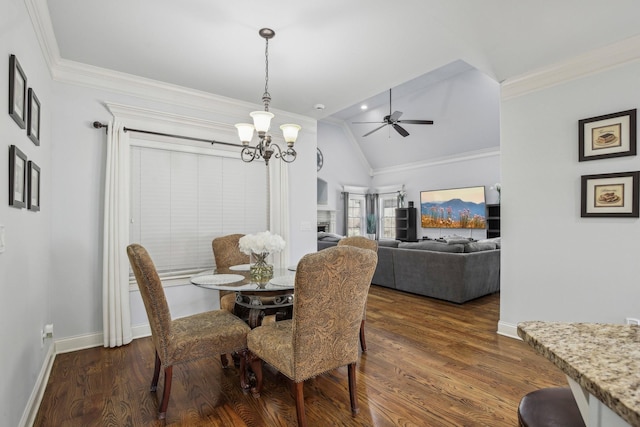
392, 119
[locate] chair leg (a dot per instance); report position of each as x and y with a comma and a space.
363, 342
256, 367
156, 374
302, 417
168, 374
353, 396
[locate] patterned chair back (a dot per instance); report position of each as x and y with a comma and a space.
359, 242
226, 251
331, 291
155, 302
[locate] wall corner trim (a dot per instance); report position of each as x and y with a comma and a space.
592, 62
33, 404
508, 330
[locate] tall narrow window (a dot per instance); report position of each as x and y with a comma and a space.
388, 204
356, 216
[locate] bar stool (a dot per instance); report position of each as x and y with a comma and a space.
550, 407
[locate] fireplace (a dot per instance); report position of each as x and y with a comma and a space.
326, 219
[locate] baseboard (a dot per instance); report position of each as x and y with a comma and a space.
508, 330
82, 342
31, 410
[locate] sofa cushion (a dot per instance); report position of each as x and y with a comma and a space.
431, 245
479, 246
388, 243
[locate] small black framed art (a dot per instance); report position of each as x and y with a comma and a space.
33, 199
17, 178
33, 117
17, 92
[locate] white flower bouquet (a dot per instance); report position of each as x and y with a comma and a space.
260, 243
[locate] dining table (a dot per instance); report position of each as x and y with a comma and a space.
253, 301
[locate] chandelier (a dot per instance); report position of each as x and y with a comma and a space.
265, 149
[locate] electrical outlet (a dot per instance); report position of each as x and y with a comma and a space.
632, 321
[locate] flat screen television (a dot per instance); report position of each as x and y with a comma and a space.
453, 208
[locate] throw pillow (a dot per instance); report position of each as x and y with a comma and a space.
479, 246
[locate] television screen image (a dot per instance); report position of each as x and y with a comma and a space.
453, 208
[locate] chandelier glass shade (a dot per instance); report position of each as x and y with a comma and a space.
265, 149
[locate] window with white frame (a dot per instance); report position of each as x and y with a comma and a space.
387, 208
356, 216
182, 197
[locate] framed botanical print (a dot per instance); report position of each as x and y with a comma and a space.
33, 199
610, 195
611, 135
33, 117
17, 92
17, 178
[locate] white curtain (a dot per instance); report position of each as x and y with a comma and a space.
116, 315
279, 208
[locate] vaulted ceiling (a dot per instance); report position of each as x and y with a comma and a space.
333, 52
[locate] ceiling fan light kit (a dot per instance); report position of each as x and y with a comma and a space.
393, 119
262, 122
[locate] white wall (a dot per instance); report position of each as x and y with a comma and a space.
25, 266
555, 264
343, 165
462, 171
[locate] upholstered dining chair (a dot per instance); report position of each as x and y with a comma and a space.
364, 243
226, 253
185, 339
331, 289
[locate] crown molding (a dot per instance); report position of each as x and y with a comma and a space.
76, 73
41, 21
592, 62
462, 157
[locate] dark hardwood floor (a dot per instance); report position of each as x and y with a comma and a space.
429, 363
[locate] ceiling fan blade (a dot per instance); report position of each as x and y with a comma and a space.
357, 123
400, 130
378, 128
416, 122
395, 116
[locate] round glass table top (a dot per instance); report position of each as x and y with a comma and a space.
228, 279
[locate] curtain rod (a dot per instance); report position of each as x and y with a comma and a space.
99, 125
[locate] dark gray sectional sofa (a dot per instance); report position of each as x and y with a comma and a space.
455, 272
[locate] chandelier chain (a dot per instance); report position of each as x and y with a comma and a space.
266, 96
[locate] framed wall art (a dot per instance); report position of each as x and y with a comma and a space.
610, 195
17, 178
17, 92
33, 117
33, 199
611, 135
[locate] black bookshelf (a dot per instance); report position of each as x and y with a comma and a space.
493, 221
406, 224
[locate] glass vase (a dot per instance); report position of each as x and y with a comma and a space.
260, 272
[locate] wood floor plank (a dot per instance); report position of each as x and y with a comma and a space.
429, 363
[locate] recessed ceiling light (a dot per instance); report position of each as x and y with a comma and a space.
363, 107
319, 106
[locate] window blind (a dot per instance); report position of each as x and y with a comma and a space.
180, 201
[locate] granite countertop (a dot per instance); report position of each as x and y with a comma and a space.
603, 359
